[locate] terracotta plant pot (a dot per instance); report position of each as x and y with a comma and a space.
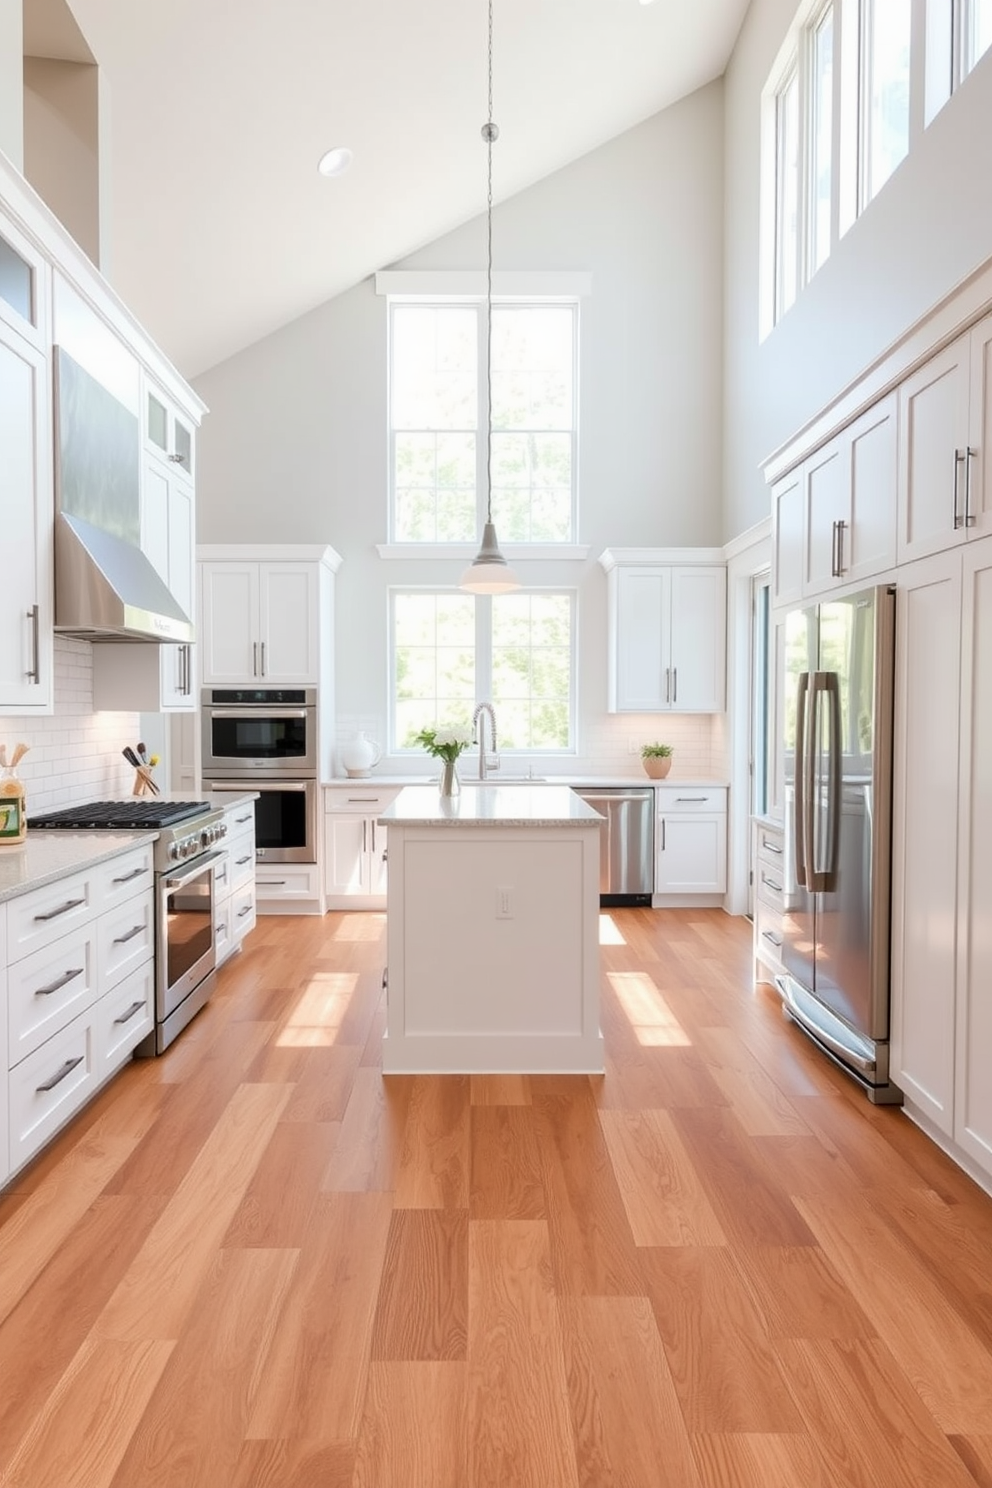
657, 766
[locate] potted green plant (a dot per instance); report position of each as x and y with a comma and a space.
657, 759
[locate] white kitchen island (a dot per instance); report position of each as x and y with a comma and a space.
492, 932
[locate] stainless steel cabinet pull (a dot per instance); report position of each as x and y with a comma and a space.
53, 914
66, 976
126, 1017
770, 847
770, 882
969, 516
175, 459
242, 861
690, 798
358, 800
254, 658
365, 835
675, 684
775, 939
219, 926
247, 909
240, 820
263, 658
135, 930
958, 462
668, 684
663, 834
837, 561
127, 877
59, 1075
35, 672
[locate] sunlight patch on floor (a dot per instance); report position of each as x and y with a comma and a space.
360, 926
319, 1011
648, 1013
609, 931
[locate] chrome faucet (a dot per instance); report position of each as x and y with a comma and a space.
479, 734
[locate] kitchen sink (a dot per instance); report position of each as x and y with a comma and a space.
499, 778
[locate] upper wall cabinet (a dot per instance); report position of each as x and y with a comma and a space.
667, 635
263, 623
945, 422
834, 516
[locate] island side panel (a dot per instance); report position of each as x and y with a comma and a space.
493, 949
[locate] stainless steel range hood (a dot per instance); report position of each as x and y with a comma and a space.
106, 588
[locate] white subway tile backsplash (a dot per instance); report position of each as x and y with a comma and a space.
75, 754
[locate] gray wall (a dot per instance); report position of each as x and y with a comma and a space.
294, 446
927, 229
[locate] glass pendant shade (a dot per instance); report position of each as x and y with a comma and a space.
489, 572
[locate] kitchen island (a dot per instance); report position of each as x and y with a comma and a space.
492, 932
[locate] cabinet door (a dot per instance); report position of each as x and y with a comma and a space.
924, 832
288, 623
643, 608
346, 844
691, 855
787, 538
827, 487
867, 546
167, 539
4, 1061
973, 1084
933, 430
978, 476
229, 624
377, 859
28, 517
699, 640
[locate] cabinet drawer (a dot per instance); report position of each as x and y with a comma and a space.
770, 847
41, 916
51, 1085
123, 1016
122, 877
241, 860
242, 914
222, 929
358, 802
768, 934
768, 885
287, 881
672, 798
47, 990
125, 939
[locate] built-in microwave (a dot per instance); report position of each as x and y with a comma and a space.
251, 729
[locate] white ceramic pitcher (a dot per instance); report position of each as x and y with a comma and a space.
359, 755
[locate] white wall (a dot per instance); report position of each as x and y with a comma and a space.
294, 447
11, 81
928, 228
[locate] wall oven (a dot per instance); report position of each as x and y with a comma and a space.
252, 730
285, 816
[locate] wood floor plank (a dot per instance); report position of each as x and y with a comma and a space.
626, 1418
639, 1078
519, 1429
930, 1341
313, 1386
423, 1300
500, 1090
366, 1157
82, 1434
870, 1427
592, 1249
413, 1432
760, 1460
664, 1200
725, 1371
800, 1295
436, 1152
505, 1164
294, 1464
762, 1109
976, 1454
192, 1431
154, 1297
283, 1189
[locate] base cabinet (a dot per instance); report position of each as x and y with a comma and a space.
690, 844
355, 846
768, 857
234, 881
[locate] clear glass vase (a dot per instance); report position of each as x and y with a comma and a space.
450, 784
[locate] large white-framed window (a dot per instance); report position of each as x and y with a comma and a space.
787, 224
438, 420
886, 36
820, 193
449, 649
958, 34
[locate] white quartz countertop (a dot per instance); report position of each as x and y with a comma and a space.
48, 856
490, 806
470, 779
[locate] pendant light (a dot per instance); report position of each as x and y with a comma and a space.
489, 572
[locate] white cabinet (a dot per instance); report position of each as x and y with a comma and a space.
26, 613
945, 423
234, 881
355, 846
260, 623
690, 843
942, 837
4, 1062
169, 432
834, 517
667, 636
768, 857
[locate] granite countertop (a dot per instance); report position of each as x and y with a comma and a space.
490, 806
48, 856
469, 777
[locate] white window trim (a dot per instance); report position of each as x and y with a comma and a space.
483, 648
434, 285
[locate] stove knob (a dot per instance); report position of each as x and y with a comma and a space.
174, 851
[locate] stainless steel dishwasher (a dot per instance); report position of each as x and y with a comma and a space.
626, 845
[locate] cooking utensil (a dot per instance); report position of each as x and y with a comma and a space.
3, 756
20, 750
144, 771
142, 754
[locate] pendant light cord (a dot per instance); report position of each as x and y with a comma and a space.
490, 132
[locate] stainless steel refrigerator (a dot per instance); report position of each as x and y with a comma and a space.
839, 663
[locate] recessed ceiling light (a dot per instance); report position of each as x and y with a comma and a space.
335, 162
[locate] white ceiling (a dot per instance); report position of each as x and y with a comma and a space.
222, 230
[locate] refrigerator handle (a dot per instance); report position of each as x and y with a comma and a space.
810, 792
822, 873
799, 772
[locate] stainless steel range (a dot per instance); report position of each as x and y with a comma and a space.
184, 858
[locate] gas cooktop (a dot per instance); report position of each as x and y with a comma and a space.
120, 815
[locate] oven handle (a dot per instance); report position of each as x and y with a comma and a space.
259, 712
176, 881
259, 785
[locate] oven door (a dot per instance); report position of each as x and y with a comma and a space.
285, 817
186, 944
277, 740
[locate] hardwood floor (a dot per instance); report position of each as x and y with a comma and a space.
257, 1263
